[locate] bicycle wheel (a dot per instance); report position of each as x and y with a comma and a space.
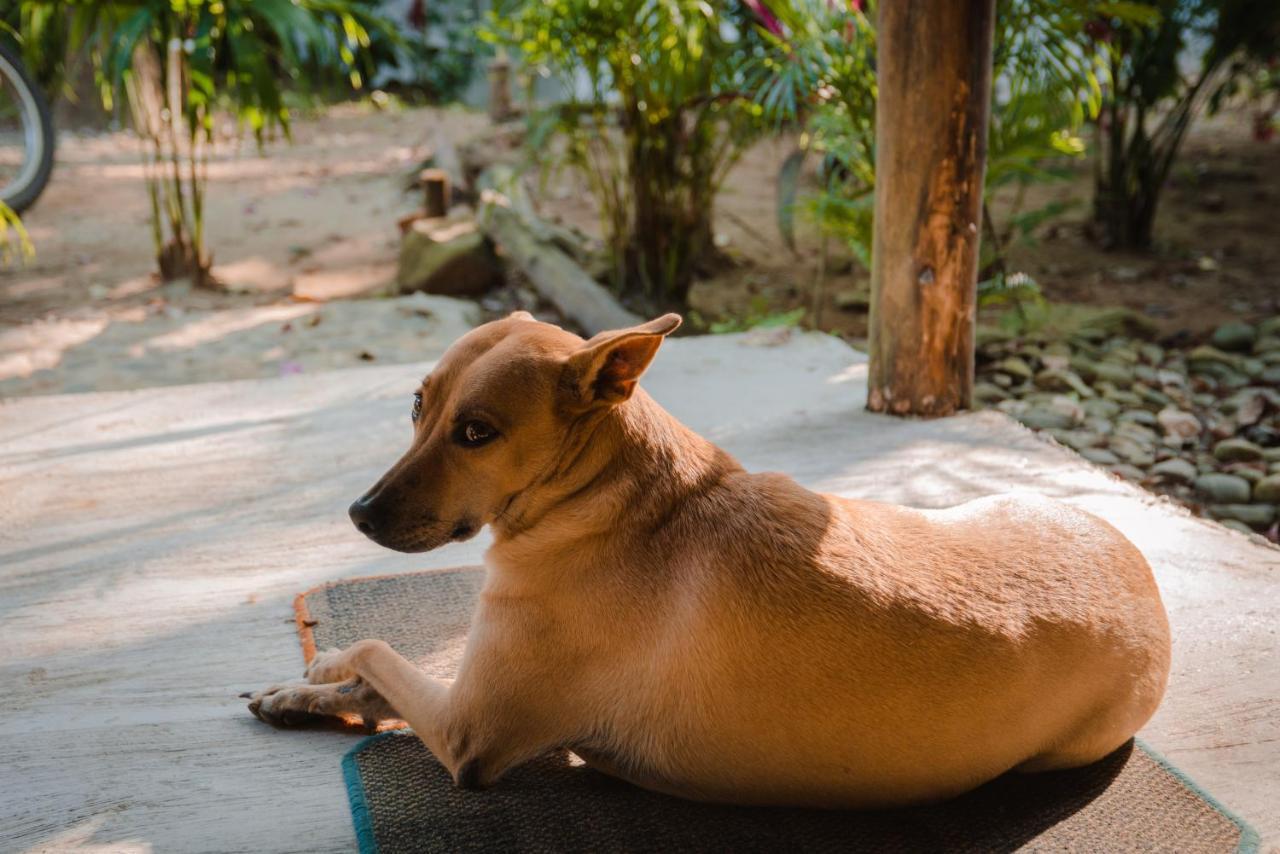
26, 134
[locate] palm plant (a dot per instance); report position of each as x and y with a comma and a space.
180, 63
655, 117
1152, 99
821, 74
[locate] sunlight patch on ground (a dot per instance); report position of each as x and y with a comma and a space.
221, 324
79, 837
856, 373
39, 346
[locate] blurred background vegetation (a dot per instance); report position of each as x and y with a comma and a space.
655, 100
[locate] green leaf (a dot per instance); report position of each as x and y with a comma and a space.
788, 189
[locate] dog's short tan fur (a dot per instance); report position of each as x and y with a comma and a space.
727, 636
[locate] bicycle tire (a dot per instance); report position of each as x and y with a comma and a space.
23, 192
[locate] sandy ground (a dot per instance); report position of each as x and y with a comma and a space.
292, 227
296, 226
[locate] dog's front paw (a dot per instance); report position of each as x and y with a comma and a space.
286, 706
332, 665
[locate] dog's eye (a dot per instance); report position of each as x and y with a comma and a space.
476, 433
417, 406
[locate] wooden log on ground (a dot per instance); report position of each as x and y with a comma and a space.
934, 69
506, 221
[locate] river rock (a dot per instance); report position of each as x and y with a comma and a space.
1175, 470
1269, 327
1205, 355
1269, 344
1123, 397
1267, 489
1236, 450
1056, 380
1128, 472
1101, 426
1247, 471
1131, 450
1061, 413
1256, 516
1101, 456
1140, 433
985, 392
1077, 439
1121, 376
1151, 396
1138, 416
1234, 336
1179, 427
1264, 435
1222, 488
1236, 526
1015, 367
1101, 408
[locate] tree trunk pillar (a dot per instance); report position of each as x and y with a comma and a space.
934, 70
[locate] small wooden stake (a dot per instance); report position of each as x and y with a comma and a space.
435, 186
500, 90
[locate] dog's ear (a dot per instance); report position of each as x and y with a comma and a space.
606, 369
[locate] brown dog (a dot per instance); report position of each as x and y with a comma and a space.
726, 636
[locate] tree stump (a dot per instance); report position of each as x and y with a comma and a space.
934, 69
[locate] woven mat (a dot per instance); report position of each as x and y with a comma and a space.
402, 800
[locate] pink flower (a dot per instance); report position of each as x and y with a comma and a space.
767, 18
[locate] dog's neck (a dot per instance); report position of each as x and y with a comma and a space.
624, 468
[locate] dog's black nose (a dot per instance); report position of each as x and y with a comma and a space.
361, 513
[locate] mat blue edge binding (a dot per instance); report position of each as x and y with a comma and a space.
363, 821
360, 816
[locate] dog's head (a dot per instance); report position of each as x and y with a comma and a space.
495, 415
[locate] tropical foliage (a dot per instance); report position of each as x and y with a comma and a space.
178, 64
1047, 83
1152, 99
655, 115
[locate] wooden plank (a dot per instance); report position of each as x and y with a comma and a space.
934, 74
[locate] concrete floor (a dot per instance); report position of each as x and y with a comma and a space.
151, 541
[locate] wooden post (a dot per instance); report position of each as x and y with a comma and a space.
934, 69
500, 108
435, 187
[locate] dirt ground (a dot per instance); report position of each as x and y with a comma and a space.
297, 224
291, 226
